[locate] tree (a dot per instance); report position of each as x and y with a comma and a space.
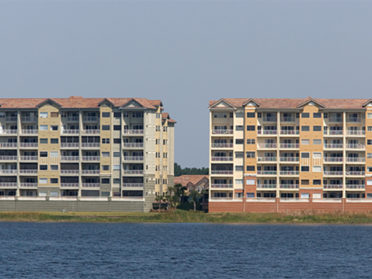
159, 199
178, 170
194, 197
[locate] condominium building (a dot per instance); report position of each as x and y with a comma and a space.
303, 149
119, 148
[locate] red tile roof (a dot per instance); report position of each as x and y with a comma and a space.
189, 178
165, 115
278, 103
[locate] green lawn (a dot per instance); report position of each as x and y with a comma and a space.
180, 216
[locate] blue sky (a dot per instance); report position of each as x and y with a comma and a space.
186, 53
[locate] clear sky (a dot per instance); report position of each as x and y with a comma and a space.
186, 53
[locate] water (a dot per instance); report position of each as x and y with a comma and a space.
63, 250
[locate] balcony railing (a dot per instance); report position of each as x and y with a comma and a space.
355, 146
90, 118
91, 131
70, 171
218, 185
29, 131
266, 172
333, 145
90, 171
267, 132
29, 158
289, 186
222, 171
69, 184
9, 131
28, 119
355, 186
354, 119
222, 158
8, 171
8, 144
266, 186
282, 172
333, 159
90, 158
70, 118
289, 145
355, 172
70, 131
133, 144
133, 131
11, 118
267, 145
332, 186
28, 184
356, 132
287, 119
69, 144
85, 184
133, 158
29, 144
8, 158
130, 184
335, 120
222, 145
28, 171
133, 171
269, 119
333, 132
289, 132
90, 144
222, 131
266, 159
327, 172
355, 159
70, 158
289, 159
8, 184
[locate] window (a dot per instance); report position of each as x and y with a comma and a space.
117, 141
43, 154
369, 169
165, 155
369, 142
105, 114
317, 182
305, 128
305, 115
239, 181
250, 168
251, 115
250, 195
251, 141
305, 195
54, 114
369, 128
166, 141
250, 154
305, 142
43, 141
239, 128
317, 128
54, 141
54, 180
239, 141
305, 182
239, 114
239, 168
116, 167
54, 154
305, 155
317, 168
117, 127
43, 167
165, 129
43, 127
43, 114
105, 154
105, 180
116, 181
106, 140
117, 114
304, 168
250, 128
116, 154
317, 115
369, 182
239, 154
369, 115
54, 128
317, 155
43, 180
54, 167
105, 127
317, 141
105, 167
157, 128
369, 155
250, 182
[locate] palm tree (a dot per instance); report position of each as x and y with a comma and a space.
159, 199
194, 197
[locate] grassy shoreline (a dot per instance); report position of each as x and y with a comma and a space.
180, 216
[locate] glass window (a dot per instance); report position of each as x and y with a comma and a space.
43, 167
54, 180
105, 127
54, 167
105, 180
317, 128
43, 154
317, 115
43, 180
105, 114
53, 153
305, 141
43, 127
305, 128
304, 168
116, 167
54, 141
317, 168
105, 154
317, 182
117, 127
117, 114
305, 115
251, 115
54, 128
251, 141
251, 154
250, 168
54, 114
250, 182
43, 140
250, 128
305, 155
43, 114
317, 141
105, 167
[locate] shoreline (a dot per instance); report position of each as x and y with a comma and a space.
179, 216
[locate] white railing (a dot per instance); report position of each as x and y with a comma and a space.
355, 146
8, 184
69, 144
29, 131
289, 132
90, 158
28, 119
267, 145
355, 172
8, 144
289, 172
8, 158
70, 184
91, 131
269, 172
353, 119
28, 158
333, 172
70, 171
90, 144
28, 184
28, 171
70, 158
355, 186
222, 131
85, 184
355, 159
222, 171
289, 159
133, 132
215, 185
287, 119
222, 158
133, 158
9, 131
267, 159
267, 132
128, 184
133, 171
332, 186
29, 144
70, 131
90, 118
8, 171
219, 145
333, 159
289, 186
356, 132
333, 145
133, 144
266, 186
289, 145
333, 132
96, 171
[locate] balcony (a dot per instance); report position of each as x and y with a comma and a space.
69, 171
8, 158
29, 158
133, 158
130, 184
355, 186
90, 118
70, 118
266, 186
70, 144
91, 131
332, 186
356, 132
335, 119
8, 184
8, 171
335, 173
29, 131
69, 184
91, 171
28, 171
222, 132
266, 159
289, 159
140, 172
222, 145
292, 172
269, 119
8, 144
289, 132
223, 172
267, 145
266, 172
222, 158
289, 145
70, 131
355, 146
28, 184
133, 131
9, 132
333, 159
28, 119
289, 186
354, 119
215, 185
69, 158
90, 158
267, 132
333, 132
11, 118
86, 184
133, 144
356, 173
90, 144
333, 145
287, 119
355, 159
29, 144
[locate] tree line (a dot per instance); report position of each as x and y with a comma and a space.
178, 170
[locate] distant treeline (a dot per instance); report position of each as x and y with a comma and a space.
178, 170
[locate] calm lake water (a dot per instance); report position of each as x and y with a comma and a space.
63, 250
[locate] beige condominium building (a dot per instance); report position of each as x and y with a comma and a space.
119, 148
290, 149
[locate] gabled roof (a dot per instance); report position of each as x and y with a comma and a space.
368, 102
214, 104
190, 178
165, 116
309, 100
